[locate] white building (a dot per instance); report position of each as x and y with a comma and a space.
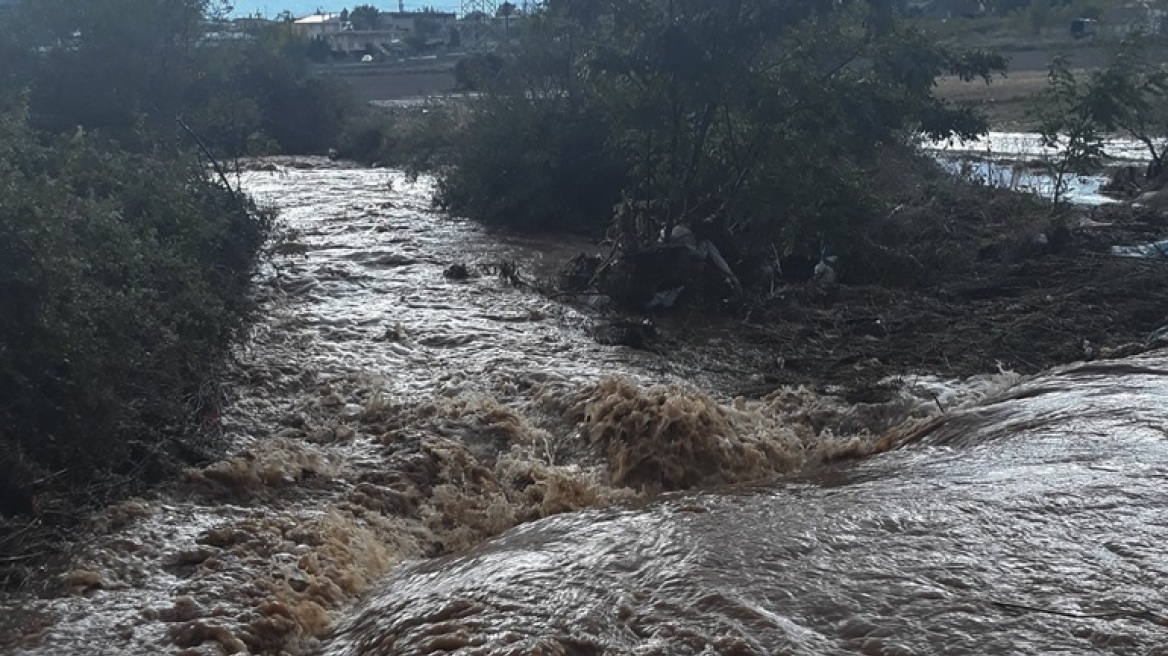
319, 25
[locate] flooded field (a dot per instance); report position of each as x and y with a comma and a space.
427, 462
1010, 160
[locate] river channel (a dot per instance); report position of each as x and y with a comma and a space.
423, 463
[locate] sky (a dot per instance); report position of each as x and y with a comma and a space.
270, 8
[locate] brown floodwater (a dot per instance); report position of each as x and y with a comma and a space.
421, 464
1029, 524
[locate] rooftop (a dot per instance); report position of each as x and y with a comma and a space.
317, 19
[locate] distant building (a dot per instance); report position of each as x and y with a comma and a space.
410, 22
319, 26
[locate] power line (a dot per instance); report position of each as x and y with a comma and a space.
488, 7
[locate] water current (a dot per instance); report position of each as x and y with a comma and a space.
425, 464
1032, 523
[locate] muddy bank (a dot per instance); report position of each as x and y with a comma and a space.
1002, 303
1026, 316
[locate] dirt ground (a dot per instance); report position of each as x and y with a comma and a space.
1005, 101
1061, 304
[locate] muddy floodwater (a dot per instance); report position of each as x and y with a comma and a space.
1030, 524
426, 462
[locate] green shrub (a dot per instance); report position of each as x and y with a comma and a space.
124, 280
477, 71
533, 164
412, 138
266, 87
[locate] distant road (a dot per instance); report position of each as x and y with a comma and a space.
1080, 56
381, 82
1038, 60
396, 86
375, 81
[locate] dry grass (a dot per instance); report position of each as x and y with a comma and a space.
1005, 100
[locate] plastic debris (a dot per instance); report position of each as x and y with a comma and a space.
1154, 251
665, 299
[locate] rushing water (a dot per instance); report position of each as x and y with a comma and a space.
1033, 523
424, 464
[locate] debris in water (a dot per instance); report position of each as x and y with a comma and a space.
81, 581
457, 271
665, 300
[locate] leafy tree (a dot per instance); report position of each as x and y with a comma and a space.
365, 17
427, 25
1069, 124
125, 266
1127, 95
751, 119
117, 71
1130, 95
134, 78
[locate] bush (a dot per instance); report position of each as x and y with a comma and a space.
533, 164
477, 71
412, 138
124, 280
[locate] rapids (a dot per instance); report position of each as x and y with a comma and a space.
426, 464
1032, 523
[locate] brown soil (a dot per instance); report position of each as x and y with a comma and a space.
1057, 305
